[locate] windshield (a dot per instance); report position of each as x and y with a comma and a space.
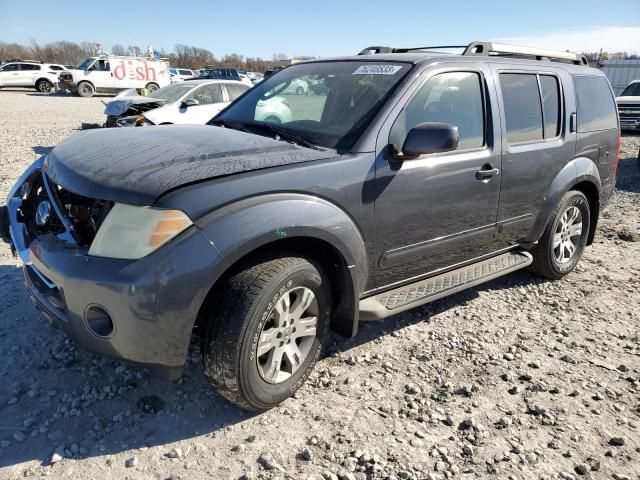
325, 103
83, 65
632, 90
171, 93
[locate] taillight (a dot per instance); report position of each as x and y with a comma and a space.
615, 168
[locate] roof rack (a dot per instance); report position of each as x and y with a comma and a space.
487, 49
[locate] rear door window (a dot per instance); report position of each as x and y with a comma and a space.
29, 66
185, 72
522, 108
551, 109
596, 105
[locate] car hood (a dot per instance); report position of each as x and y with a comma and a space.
121, 105
634, 99
138, 164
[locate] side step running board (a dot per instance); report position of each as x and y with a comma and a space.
409, 296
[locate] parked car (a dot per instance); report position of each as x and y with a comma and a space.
297, 87
191, 101
112, 74
41, 76
224, 74
629, 106
180, 74
418, 175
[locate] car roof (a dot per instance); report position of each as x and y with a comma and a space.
426, 58
204, 80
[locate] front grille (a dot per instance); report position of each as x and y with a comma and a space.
629, 113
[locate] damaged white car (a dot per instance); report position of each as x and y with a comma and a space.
191, 101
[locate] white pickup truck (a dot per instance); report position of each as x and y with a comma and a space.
111, 74
629, 106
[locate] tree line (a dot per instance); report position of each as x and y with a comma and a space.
185, 56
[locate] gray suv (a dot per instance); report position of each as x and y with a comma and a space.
410, 175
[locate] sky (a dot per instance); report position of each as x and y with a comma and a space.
260, 28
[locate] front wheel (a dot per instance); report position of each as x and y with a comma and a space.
85, 89
266, 334
561, 246
151, 87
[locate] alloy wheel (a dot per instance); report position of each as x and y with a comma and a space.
287, 335
567, 235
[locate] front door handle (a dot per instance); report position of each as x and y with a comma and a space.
487, 172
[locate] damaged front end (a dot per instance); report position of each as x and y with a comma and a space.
128, 111
37, 207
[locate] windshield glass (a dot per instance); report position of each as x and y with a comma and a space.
632, 90
83, 65
325, 103
171, 93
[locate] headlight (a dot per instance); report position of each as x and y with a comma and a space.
133, 121
131, 232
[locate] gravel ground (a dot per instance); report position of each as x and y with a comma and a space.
518, 378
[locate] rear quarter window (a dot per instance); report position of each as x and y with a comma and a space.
596, 105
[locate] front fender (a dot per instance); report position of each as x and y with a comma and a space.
576, 171
242, 227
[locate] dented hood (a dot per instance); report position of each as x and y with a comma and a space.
137, 165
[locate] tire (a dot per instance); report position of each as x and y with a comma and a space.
85, 89
151, 87
299, 91
554, 260
250, 304
44, 86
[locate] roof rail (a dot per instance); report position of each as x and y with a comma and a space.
500, 49
492, 49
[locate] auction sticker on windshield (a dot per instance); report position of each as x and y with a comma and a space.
377, 70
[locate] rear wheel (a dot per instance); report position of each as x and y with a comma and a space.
561, 246
266, 333
85, 89
151, 87
44, 86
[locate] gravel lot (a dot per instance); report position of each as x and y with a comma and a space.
518, 378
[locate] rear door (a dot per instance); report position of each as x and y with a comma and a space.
437, 210
536, 143
29, 73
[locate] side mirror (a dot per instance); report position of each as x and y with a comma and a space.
189, 102
430, 137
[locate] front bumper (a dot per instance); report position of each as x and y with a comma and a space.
152, 302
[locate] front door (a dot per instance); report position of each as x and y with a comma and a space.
440, 209
10, 75
100, 74
210, 102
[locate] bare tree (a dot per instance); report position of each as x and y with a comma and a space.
118, 49
134, 50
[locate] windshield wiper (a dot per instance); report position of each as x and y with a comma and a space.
231, 125
283, 133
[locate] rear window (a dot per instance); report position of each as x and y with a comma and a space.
55, 67
185, 72
596, 105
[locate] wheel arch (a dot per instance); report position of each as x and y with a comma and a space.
39, 79
579, 174
297, 223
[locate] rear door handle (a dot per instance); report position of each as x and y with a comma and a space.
485, 174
